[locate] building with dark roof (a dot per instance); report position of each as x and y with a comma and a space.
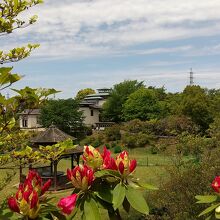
29, 120
92, 106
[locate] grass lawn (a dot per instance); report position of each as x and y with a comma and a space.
151, 169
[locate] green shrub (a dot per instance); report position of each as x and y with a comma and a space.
187, 179
117, 149
193, 144
136, 140
96, 140
113, 133
174, 125
107, 146
154, 149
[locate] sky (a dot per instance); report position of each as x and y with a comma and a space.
98, 43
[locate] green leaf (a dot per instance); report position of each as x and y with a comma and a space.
91, 211
105, 194
146, 186
107, 173
15, 5
136, 200
209, 209
118, 195
206, 199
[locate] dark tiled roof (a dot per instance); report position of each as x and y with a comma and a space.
30, 112
51, 135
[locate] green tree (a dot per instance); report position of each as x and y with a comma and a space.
214, 97
9, 21
81, 94
112, 108
195, 104
65, 114
144, 104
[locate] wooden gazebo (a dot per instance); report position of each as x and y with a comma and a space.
51, 136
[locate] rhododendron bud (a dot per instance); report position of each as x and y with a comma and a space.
26, 200
121, 167
124, 164
33, 199
46, 186
12, 203
132, 166
216, 184
108, 161
68, 203
81, 177
92, 157
34, 180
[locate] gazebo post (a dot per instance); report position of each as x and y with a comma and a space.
51, 167
72, 165
77, 159
55, 175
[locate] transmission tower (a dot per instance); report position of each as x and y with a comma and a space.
191, 77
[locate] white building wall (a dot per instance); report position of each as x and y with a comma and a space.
32, 121
88, 119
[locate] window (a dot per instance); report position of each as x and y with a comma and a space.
91, 112
24, 122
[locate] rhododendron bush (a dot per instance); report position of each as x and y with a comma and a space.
213, 211
101, 182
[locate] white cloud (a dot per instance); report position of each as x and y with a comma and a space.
97, 27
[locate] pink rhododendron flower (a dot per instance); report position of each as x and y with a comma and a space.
68, 203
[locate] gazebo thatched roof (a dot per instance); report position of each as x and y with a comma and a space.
51, 135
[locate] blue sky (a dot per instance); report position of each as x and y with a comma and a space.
98, 43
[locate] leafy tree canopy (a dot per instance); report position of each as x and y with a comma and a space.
113, 107
144, 104
83, 93
65, 114
195, 104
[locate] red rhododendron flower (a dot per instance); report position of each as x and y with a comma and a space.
124, 164
68, 203
46, 186
132, 166
216, 184
26, 200
13, 205
108, 161
81, 177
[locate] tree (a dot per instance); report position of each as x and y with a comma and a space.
65, 114
83, 93
10, 136
214, 97
195, 104
112, 108
9, 21
144, 104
